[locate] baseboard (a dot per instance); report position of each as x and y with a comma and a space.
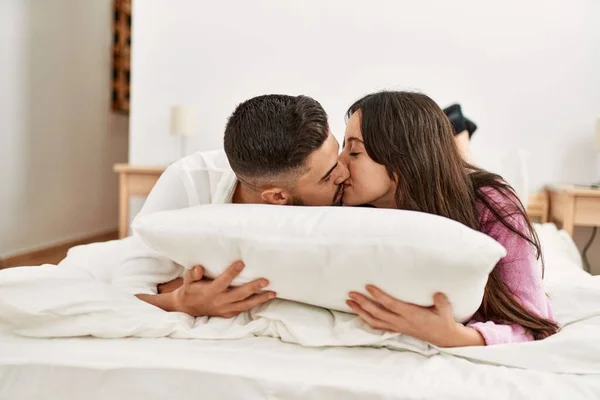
52, 254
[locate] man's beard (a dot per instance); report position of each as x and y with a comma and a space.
337, 199
297, 201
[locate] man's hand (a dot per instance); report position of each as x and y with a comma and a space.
170, 286
215, 298
197, 297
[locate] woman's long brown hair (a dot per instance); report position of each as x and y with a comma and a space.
411, 136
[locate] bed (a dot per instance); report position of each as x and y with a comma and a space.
258, 368
269, 368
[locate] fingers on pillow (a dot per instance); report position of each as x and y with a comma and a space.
389, 302
367, 317
373, 308
224, 280
193, 274
198, 272
253, 301
246, 290
442, 303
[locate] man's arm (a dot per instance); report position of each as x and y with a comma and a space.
142, 268
163, 301
170, 286
144, 271
198, 297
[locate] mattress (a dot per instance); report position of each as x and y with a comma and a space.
258, 368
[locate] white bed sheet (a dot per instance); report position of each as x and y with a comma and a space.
267, 368
258, 368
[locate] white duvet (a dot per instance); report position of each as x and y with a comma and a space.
78, 298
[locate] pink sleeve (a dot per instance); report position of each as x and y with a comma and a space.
522, 274
497, 334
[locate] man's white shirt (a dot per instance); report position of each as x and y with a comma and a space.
200, 178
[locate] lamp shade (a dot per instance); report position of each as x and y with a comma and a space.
183, 121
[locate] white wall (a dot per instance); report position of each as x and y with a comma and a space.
58, 138
527, 72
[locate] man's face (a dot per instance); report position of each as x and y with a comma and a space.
322, 184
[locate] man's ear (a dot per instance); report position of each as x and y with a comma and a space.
277, 196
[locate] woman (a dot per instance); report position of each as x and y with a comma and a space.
400, 151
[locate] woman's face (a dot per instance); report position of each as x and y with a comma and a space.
369, 182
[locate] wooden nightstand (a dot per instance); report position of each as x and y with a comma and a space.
574, 206
133, 181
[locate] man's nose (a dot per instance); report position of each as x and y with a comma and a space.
343, 173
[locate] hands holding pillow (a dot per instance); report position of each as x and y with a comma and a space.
317, 255
196, 296
433, 324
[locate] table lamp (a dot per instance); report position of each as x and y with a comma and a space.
183, 124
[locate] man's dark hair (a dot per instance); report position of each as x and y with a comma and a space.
274, 134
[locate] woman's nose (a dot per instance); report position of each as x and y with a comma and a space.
343, 158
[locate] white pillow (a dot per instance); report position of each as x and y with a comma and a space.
316, 255
562, 260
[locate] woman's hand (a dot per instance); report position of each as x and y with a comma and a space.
433, 324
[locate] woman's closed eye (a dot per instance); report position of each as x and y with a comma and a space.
353, 154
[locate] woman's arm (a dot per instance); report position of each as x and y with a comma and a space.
520, 271
433, 324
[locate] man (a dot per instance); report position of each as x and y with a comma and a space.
278, 150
